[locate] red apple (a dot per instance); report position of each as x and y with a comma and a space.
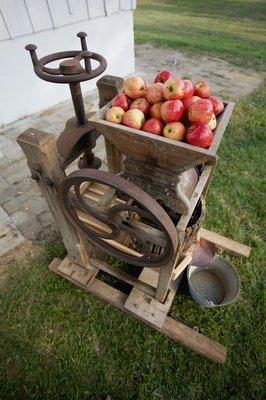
134, 87
155, 110
134, 119
172, 110
155, 93
175, 131
162, 76
200, 112
174, 89
141, 104
115, 115
189, 89
154, 126
121, 100
200, 135
188, 102
202, 89
218, 105
212, 123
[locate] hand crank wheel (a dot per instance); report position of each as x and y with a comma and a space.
137, 215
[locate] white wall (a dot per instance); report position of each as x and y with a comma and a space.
23, 93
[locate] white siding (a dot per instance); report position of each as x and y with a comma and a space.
40, 16
112, 6
25, 93
23, 17
96, 8
126, 5
4, 34
16, 17
66, 12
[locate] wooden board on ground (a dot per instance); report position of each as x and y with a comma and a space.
175, 330
224, 243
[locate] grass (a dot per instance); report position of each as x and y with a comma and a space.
57, 342
231, 29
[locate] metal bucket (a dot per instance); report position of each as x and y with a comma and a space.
214, 286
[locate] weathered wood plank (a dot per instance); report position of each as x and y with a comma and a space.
108, 87
145, 288
224, 243
44, 162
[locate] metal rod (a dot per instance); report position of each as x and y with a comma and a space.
87, 61
78, 102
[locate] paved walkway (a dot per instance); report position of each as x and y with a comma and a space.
23, 210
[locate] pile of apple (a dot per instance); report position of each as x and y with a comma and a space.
171, 107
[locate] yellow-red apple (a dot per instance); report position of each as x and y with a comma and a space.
202, 89
115, 115
153, 125
172, 110
141, 104
188, 102
134, 87
189, 89
200, 135
218, 105
121, 100
174, 89
155, 93
162, 76
175, 131
134, 118
200, 112
155, 110
212, 123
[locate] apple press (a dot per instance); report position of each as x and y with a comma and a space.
146, 211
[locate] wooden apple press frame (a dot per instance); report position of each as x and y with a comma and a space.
130, 211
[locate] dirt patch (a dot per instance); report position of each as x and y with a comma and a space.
20, 254
226, 80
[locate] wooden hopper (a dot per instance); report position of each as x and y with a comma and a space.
158, 150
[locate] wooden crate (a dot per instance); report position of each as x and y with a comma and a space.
164, 153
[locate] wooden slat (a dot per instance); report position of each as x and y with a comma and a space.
135, 282
224, 243
181, 266
175, 330
222, 123
99, 226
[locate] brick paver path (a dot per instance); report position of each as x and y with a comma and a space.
23, 210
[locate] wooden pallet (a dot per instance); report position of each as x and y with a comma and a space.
141, 302
142, 306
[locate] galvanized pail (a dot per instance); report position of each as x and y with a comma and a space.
214, 286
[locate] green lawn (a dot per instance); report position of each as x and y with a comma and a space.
230, 29
57, 342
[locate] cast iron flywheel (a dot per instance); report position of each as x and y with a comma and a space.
138, 216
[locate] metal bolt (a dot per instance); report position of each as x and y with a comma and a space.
35, 177
195, 195
48, 181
